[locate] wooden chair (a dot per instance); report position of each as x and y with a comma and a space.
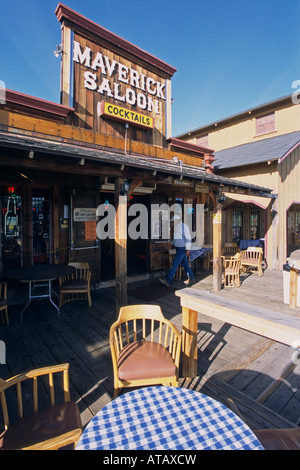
76, 286
208, 260
145, 348
251, 260
272, 439
231, 270
51, 428
230, 249
3, 303
180, 269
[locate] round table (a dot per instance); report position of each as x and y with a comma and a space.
38, 276
166, 418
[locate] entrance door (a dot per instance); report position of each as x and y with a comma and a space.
293, 228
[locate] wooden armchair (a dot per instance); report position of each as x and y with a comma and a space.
76, 286
231, 270
51, 428
145, 348
180, 269
3, 303
251, 260
230, 249
208, 260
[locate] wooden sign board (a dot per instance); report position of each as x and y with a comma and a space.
82, 214
118, 113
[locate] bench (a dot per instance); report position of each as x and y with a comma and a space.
251, 260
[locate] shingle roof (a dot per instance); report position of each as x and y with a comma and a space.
265, 150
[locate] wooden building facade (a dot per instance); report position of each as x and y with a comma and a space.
109, 137
260, 145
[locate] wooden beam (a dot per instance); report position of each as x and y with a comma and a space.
189, 342
217, 248
120, 246
293, 287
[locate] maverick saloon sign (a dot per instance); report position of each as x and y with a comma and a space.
112, 79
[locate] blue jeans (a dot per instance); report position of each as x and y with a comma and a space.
180, 258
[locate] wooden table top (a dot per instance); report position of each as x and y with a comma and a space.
39, 272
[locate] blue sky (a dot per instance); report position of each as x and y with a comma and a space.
230, 55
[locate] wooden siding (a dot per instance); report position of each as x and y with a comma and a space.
288, 194
243, 130
86, 100
19, 122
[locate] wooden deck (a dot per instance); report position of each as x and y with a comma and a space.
231, 362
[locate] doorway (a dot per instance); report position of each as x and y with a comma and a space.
293, 228
137, 250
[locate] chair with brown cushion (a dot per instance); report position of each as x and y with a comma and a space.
3, 303
76, 286
145, 348
251, 260
53, 427
231, 270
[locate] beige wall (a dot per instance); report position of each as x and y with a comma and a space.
238, 132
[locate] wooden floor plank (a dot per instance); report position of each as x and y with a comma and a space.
80, 337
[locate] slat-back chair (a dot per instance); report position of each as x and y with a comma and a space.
3, 303
51, 428
208, 260
251, 260
231, 270
230, 249
145, 348
76, 286
180, 269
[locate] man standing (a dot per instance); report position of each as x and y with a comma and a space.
182, 243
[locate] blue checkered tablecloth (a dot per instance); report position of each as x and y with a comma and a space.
161, 418
201, 252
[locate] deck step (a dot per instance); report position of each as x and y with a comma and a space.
256, 415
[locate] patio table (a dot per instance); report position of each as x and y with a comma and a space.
39, 276
199, 253
166, 418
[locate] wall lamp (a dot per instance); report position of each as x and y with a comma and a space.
58, 50
221, 197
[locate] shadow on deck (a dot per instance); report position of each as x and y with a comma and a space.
80, 337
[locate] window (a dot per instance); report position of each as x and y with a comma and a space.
254, 225
237, 225
265, 124
202, 141
11, 227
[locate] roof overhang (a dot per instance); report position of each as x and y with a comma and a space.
158, 165
78, 21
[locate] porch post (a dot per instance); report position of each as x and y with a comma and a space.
217, 248
120, 246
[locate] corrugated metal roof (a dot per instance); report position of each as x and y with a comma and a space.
260, 151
